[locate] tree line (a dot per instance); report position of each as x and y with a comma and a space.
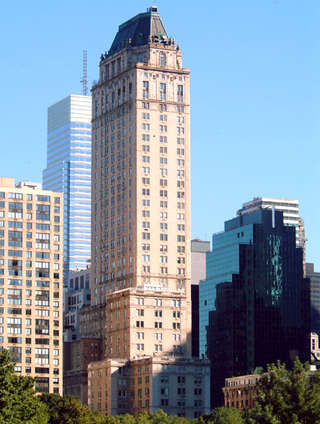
284, 397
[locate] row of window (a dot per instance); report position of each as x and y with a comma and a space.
19, 196
162, 91
158, 324
163, 107
163, 237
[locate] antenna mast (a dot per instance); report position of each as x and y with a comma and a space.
84, 80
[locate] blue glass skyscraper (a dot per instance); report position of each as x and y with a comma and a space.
69, 171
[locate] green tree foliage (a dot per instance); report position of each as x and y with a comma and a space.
223, 416
287, 396
18, 402
69, 410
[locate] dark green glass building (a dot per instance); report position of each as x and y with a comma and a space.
262, 311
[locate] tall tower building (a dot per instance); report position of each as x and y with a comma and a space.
31, 281
141, 189
255, 303
141, 256
69, 172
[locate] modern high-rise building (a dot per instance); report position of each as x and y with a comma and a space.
31, 282
141, 258
255, 302
199, 249
69, 172
289, 208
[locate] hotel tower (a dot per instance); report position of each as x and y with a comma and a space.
141, 223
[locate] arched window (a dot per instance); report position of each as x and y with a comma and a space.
162, 59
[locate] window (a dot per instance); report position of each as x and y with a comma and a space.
145, 127
163, 118
41, 356
163, 107
145, 137
158, 324
163, 139
162, 59
163, 91
163, 128
158, 336
145, 89
180, 93
43, 212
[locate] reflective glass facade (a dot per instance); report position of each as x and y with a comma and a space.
222, 262
257, 301
69, 171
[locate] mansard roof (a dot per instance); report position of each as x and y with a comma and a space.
139, 30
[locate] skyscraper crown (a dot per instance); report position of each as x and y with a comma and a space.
140, 30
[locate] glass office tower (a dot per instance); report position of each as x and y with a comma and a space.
255, 303
69, 171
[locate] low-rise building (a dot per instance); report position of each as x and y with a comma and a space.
76, 296
240, 392
77, 355
178, 386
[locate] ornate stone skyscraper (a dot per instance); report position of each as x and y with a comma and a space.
141, 194
141, 255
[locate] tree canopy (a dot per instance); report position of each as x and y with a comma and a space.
69, 410
287, 396
18, 403
223, 416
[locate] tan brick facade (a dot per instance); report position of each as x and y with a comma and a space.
31, 223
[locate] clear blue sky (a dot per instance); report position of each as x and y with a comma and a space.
255, 93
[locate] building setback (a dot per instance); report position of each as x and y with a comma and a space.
255, 296
289, 208
141, 258
31, 282
69, 172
